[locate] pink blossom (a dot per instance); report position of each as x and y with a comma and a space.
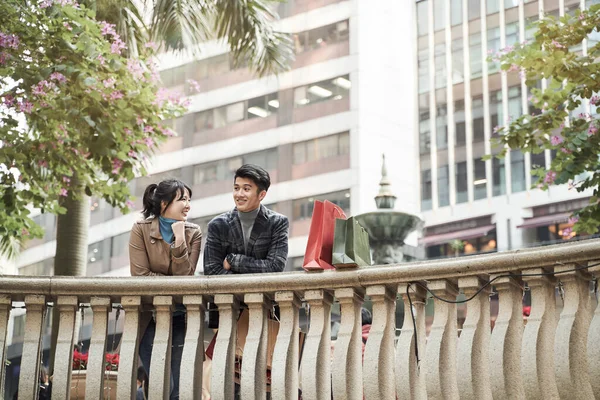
595, 100
562, 125
117, 45
66, 25
592, 131
129, 204
117, 165
565, 150
556, 140
43, 163
9, 41
101, 59
149, 142
557, 45
132, 154
139, 120
66, 179
148, 129
194, 85
107, 29
46, 3
24, 232
573, 220
110, 82
567, 232
497, 129
26, 107
64, 192
57, 76
151, 45
117, 94
9, 100
127, 131
550, 177
168, 132
513, 68
582, 16
3, 58
135, 68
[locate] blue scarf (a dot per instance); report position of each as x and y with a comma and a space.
166, 231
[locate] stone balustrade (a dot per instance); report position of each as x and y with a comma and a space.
545, 356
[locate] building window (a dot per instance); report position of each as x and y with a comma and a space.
478, 124
456, 12
441, 127
439, 14
321, 37
498, 177
493, 46
459, 119
440, 66
303, 208
457, 61
222, 170
41, 268
537, 161
97, 262
210, 67
510, 4
422, 18
330, 89
173, 76
262, 107
515, 109
426, 190
512, 32
474, 9
321, 148
461, 182
475, 54
517, 171
482, 244
530, 28
495, 109
424, 124
480, 181
423, 60
120, 245
443, 186
492, 6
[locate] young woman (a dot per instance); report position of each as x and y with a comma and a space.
164, 244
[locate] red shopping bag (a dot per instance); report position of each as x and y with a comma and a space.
320, 237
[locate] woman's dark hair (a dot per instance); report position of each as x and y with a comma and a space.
165, 191
256, 174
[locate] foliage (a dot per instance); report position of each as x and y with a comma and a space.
73, 110
574, 81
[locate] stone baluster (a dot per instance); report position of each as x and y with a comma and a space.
473, 345
316, 358
254, 366
159, 381
94, 381
594, 339
128, 354
223, 363
378, 366
410, 377
30, 361
5, 306
506, 341
193, 349
347, 356
440, 360
66, 306
570, 345
537, 357
284, 373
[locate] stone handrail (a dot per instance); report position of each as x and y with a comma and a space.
545, 358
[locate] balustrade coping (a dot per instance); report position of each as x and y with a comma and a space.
478, 265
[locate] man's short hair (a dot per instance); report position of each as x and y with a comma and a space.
256, 174
365, 316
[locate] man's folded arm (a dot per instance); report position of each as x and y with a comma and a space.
214, 251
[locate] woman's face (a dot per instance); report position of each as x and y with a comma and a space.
179, 207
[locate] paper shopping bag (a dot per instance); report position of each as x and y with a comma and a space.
319, 247
350, 245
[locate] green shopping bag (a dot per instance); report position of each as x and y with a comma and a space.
350, 244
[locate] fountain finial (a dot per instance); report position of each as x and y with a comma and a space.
385, 198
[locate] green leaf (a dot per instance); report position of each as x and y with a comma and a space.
89, 81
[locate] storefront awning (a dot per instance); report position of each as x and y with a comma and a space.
545, 220
463, 235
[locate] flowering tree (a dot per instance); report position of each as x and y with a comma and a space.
76, 116
565, 121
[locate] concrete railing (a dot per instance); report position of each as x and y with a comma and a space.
546, 357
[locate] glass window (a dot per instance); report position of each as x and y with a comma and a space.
510, 3
517, 171
499, 176
41, 268
479, 183
423, 61
262, 107
478, 124
492, 6
493, 45
461, 182
422, 18
514, 102
475, 54
303, 208
441, 126
474, 9
440, 66
459, 120
98, 263
456, 12
330, 89
512, 34
530, 28
495, 110
457, 61
439, 14
424, 124
320, 37
173, 76
321, 148
443, 186
203, 120
206, 173
537, 161
426, 190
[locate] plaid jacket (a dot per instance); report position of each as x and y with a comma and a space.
267, 246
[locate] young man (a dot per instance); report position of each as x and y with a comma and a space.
250, 238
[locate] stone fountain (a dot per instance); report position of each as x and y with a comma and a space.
388, 228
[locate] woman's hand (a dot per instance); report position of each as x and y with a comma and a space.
179, 232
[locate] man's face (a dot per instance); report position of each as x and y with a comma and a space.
246, 195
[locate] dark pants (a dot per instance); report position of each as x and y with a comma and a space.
178, 338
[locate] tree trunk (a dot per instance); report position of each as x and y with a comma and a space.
71, 249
